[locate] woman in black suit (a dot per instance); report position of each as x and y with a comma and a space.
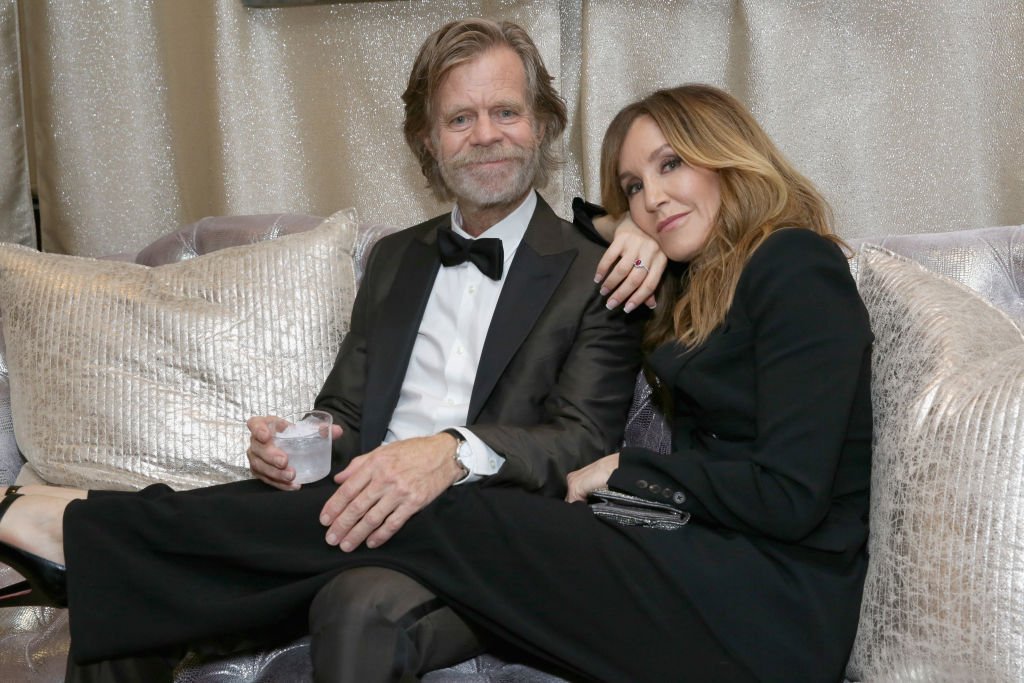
761, 350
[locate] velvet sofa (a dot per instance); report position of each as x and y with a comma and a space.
944, 595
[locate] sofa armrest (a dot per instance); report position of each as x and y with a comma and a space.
217, 232
367, 237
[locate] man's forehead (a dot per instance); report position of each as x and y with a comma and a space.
496, 75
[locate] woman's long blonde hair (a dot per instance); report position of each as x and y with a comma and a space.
760, 192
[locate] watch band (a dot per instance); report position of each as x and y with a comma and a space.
460, 440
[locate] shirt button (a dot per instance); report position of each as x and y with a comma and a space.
493, 462
679, 498
458, 350
472, 289
450, 401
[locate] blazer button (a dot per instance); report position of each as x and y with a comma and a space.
679, 498
641, 484
653, 488
666, 492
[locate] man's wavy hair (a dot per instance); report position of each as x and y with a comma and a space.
461, 42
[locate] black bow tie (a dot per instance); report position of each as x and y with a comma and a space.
486, 253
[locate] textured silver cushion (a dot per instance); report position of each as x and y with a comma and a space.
944, 596
123, 375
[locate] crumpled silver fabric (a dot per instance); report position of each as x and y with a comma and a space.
34, 645
33, 640
292, 663
289, 662
944, 595
123, 375
490, 669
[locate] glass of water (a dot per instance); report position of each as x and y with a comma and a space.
306, 440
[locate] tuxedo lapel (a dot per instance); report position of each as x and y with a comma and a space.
390, 344
536, 271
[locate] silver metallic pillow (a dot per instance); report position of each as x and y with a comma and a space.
944, 596
123, 375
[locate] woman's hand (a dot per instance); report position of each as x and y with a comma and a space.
594, 476
618, 273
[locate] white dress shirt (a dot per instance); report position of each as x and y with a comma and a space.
439, 380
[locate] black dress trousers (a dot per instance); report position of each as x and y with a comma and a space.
157, 570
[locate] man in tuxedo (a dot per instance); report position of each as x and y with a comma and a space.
480, 351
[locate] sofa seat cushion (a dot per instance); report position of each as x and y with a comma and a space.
944, 594
124, 375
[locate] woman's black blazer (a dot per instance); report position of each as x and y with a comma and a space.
771, 424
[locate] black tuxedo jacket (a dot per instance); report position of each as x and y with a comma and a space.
556, 374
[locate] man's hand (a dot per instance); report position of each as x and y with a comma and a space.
381, 490
594, 476
267, 462
620, 279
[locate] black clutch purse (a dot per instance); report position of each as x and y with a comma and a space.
627, 510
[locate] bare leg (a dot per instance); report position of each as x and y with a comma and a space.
35, 524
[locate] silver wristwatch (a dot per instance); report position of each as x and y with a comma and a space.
461, 454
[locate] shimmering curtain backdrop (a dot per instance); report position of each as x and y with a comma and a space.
148, 114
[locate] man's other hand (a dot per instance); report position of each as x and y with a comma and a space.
267, 462
381, 490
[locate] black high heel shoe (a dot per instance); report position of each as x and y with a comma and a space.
45, 583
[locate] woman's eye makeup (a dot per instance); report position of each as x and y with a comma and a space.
667, 164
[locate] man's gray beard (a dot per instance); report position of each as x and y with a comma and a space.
466, 188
